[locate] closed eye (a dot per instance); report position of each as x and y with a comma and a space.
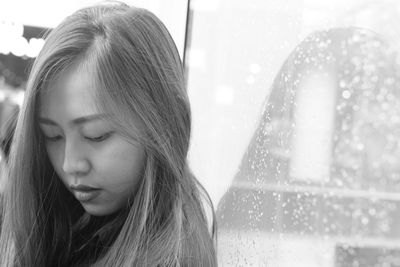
99, 138
53, 138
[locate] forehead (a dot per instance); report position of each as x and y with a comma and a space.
72, 93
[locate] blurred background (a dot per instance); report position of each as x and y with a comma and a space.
296, 119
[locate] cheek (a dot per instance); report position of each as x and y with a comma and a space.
122, 168
54, 154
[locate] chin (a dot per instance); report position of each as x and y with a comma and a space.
96, 210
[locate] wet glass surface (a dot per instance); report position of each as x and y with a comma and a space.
313, 174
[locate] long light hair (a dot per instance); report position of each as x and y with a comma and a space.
138, 76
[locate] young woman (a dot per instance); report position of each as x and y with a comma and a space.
98, 169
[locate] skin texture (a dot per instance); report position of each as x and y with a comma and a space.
83, 147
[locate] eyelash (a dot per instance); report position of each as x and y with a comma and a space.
97, 139
52, 139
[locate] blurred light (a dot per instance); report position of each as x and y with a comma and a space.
19, 46
250, 79
5, 47
255, 68
17, 97
2, 95
346, 94
11, 29
34, 47
12, 40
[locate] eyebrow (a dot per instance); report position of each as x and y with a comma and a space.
77, 121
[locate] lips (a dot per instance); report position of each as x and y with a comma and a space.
84, 193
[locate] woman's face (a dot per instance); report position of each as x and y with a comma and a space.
97, 165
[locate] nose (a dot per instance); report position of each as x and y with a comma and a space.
75, 161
